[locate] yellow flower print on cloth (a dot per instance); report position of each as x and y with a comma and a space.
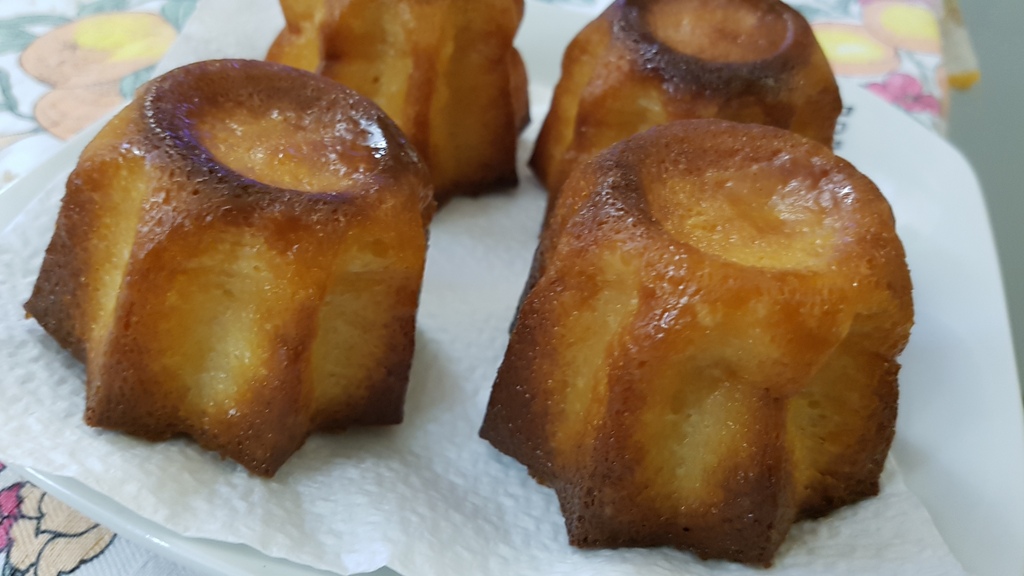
78, 61
885, 26
893, 46
84, 62
853, 51
907, 25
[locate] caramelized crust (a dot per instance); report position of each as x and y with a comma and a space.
708, 350
239, 261
444, 70
647, 62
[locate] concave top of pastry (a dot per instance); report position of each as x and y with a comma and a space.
744, 194
273, 124
717, 30
758, 216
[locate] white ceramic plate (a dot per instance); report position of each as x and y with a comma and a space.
960, 436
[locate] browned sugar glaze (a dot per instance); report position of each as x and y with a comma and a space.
708, 353
238, 258
647, 62
444, 70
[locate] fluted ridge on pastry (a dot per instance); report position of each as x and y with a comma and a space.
648, 62
708, 352
446, 71
238, 258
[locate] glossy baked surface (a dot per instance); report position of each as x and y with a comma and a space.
647, 62
239, 260
445, 71
707, 350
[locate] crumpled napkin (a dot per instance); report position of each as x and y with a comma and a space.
426, 497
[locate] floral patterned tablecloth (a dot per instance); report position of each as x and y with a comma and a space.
66, 63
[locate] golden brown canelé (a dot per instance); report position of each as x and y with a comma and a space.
444, 70
238, 258
709, 351
647, 62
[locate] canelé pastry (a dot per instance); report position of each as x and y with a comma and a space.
709, 351
647, 62
444, 70
238, 258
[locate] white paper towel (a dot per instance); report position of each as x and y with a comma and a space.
427, 497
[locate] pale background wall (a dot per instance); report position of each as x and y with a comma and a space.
987, 124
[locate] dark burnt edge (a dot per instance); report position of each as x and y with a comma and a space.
683, 73
172, 124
